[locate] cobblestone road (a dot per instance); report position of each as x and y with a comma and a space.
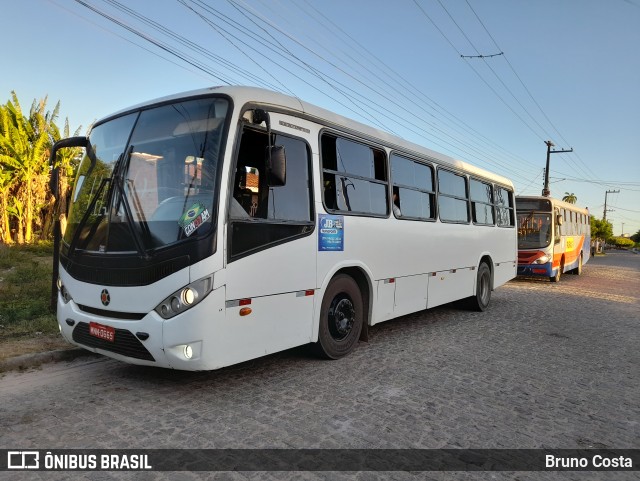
547, 366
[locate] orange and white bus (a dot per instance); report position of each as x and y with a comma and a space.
553, 237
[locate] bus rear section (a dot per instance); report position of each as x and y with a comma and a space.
553, 237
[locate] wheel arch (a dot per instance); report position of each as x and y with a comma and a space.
485, 258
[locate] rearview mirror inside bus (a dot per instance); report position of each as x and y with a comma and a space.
277, 166
559, 219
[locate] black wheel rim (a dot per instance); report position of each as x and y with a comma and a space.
342, 316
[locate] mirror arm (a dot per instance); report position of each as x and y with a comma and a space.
54, 182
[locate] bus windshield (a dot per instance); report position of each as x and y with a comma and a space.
152, 181
534, 230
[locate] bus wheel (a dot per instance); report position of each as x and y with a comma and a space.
556, 278
341, 317
578, 270
481, 300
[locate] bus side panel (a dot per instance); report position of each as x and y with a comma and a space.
586, 249
275, 282
504, 272
275, 323
451, 285
383, 307
411, 294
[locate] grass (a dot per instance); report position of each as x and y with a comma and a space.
25, 289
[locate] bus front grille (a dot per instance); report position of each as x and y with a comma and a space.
125, 343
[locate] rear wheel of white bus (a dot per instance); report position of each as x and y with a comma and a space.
481, 300
341, 318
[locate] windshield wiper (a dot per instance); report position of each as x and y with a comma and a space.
85, 217
116, 188
119, 186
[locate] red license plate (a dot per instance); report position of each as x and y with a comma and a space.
102, 332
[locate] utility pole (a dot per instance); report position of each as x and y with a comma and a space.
622, 235
545, 191
604, 216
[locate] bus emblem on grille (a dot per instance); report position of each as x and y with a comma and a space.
105, 298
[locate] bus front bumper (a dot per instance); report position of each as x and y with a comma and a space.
535, 270
176, 343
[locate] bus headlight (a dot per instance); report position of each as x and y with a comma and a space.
66, 297
185, 298
541, 260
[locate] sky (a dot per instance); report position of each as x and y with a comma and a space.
487, 82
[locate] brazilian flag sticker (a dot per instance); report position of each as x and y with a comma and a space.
194, 217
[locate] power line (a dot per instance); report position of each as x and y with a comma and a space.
411, 92
525, 87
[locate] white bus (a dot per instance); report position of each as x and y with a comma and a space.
217, 226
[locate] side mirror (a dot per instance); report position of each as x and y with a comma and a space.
276, 166
559, 219
63, 144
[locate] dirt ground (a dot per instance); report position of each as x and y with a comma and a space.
29, 345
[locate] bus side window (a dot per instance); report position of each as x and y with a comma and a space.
453, 197
354, 176
413, 195
504, 207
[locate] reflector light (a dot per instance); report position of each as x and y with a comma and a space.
244, 302
245, 311
309, 292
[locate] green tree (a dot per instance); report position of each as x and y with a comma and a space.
601, 229
623, 242
570, 197
636, 237
25, 145
6, 176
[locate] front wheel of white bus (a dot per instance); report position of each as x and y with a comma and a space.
341, 318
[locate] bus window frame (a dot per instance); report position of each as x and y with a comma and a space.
513, 221
373, 146
465, 176
432, 193
492, 204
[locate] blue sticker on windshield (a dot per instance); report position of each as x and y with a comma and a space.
193, 218
331, 232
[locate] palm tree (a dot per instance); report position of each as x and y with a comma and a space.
570, 197
6, 177
25, 143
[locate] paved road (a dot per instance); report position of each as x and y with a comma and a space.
547, 366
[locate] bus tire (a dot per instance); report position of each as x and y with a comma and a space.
480, 301
341, 318
578, 270
558, 275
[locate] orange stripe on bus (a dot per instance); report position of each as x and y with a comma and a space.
569, 257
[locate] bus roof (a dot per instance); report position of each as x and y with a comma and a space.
555, 202
243, 95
